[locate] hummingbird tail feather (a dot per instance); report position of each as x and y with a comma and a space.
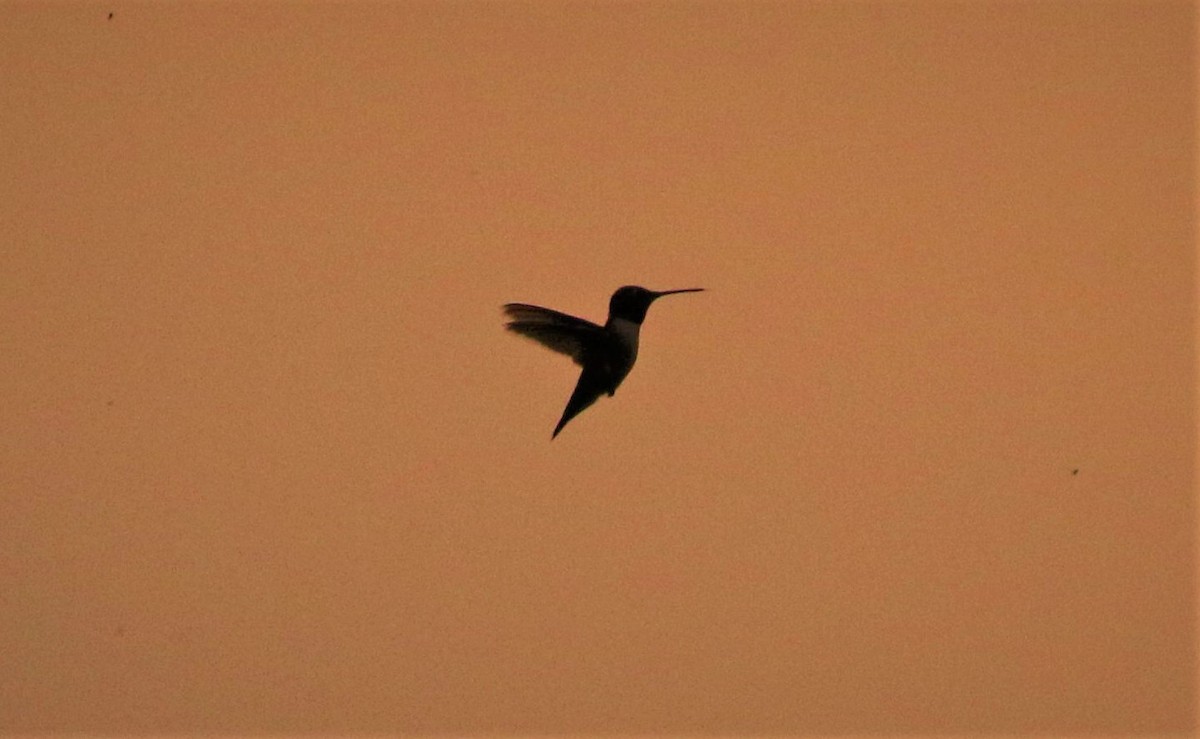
586, 393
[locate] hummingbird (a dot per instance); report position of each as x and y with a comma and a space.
606, 353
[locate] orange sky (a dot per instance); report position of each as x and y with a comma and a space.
921, 460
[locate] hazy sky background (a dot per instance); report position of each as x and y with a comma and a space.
921, 460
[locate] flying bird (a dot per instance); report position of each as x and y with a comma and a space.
606, 353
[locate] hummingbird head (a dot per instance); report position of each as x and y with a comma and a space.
631, 302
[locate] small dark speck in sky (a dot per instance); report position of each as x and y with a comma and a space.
1075, 471
109, 404
110, 16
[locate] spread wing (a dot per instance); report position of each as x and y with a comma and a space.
556, 331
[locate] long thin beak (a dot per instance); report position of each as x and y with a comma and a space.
661, 293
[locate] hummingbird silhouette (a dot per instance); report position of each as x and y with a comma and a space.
606, 353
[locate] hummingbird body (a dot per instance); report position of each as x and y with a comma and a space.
606, 353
